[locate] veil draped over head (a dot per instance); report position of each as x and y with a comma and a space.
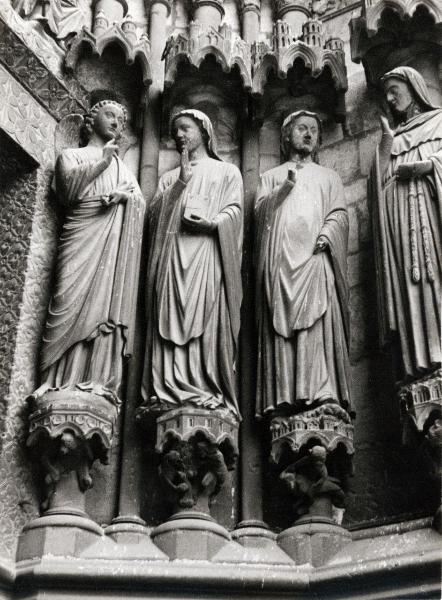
285, 146
417, 84
204, 121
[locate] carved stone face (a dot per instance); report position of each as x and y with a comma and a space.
398, 94
186, 132
304, 135
109, 122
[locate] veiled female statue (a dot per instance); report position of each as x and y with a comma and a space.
194, 279
406, 190
90, 322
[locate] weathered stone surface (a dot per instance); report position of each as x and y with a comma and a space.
343, 158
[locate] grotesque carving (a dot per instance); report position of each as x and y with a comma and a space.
407, 191
194, 282
194, 471
308, 481
89, 329
68, 431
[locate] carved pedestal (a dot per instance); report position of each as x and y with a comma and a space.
69, 430
314, 450
198, 447
421, 405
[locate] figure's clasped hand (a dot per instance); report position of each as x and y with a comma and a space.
385, 125
197, 224
321, 244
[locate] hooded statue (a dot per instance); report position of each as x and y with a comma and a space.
406, 196
301, 287
194, 276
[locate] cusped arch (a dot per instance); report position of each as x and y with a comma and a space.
310, 58
434, 7
208, 50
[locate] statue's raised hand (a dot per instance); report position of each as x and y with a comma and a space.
110, 149
291, 176
186, 169
386, 129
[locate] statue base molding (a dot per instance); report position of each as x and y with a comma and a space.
259, 543
133, 539
190, 535
313, 540
57, 534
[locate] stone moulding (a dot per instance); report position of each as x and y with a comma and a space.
228, 49
132, 46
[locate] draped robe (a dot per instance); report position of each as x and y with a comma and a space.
407, 225
301, 296
90, 321
194, 290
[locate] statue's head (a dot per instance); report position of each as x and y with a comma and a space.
301, 134
107, 118
406, 93
193, 128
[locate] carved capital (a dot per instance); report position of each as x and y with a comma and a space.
420, 398
198, 447
68, 431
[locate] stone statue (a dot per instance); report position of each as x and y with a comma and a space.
194, 280
90, 323
406, 191
301, 287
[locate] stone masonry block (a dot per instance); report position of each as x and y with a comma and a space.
367, 147
343, 158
